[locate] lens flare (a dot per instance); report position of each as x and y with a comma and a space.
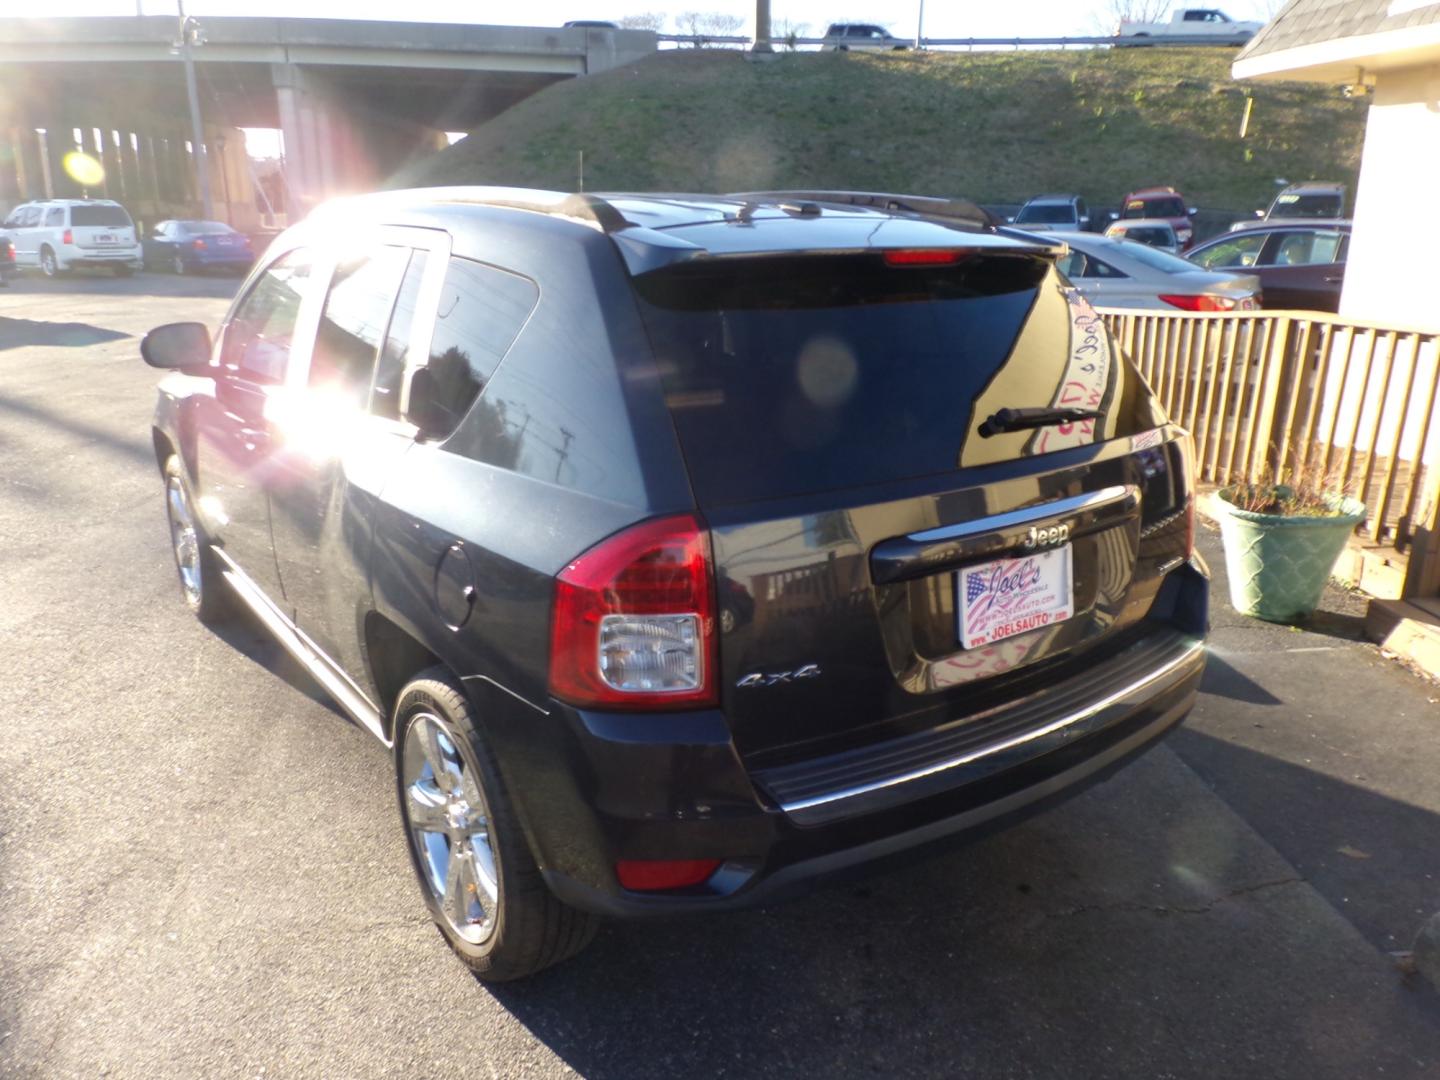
83, 169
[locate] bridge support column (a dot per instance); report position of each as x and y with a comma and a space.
333, 147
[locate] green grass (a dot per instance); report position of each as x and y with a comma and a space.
996, 127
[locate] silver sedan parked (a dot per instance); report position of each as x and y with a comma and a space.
1121, 273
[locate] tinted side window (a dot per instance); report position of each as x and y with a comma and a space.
1239, 251
352, 324
259, 335
390, 370
481, 312
55, 216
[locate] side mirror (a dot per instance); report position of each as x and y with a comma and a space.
1084, 219
177, 346
1190, 211
1259, 213
1112, 215
425, 407
1010, 220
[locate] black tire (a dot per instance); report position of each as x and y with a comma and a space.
49, 264
210, 598
529, 929
180, 266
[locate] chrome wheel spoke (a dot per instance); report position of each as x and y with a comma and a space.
470, 792
485, 876
425, 810
459, 887
440, 767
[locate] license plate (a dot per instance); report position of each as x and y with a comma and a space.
1000, 599
104, 238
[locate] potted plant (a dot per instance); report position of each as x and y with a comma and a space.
1281, 542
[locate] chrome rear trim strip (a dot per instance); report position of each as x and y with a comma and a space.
348, 696
1075, 504
1057, 731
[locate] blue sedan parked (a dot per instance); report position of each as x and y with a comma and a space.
187, 246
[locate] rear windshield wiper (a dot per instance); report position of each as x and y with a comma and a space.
1023, 419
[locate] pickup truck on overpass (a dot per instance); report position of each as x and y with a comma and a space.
1198, 22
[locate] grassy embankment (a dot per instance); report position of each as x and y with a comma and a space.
996, 127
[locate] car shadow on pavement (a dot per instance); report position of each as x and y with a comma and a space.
1140, 930
247, 636
1223, 680
19, 333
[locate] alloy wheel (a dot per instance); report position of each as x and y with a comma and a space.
449, 826
48, 264
184, 539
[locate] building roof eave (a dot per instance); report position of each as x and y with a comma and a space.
1340, 60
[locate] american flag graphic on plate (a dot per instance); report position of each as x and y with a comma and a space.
1005, 597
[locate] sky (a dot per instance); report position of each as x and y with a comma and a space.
943, 18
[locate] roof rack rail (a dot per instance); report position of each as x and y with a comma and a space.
581, 207
962, 210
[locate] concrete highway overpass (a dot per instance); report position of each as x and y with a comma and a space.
354, 100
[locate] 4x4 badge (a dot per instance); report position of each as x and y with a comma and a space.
759, 678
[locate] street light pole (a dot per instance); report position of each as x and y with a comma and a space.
188, 30
920, 26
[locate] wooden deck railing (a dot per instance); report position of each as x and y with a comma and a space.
1271, 392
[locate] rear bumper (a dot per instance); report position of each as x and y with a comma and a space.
673, 787
119, 257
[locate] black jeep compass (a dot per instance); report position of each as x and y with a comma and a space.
685, 548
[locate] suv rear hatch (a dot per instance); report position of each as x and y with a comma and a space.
884, 567
102, 226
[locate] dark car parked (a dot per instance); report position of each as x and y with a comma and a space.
685, 549
188, 246
1301, 267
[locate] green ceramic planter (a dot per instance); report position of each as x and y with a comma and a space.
1278, 566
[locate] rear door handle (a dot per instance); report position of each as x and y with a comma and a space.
1335, 280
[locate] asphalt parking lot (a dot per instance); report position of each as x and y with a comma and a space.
201, 873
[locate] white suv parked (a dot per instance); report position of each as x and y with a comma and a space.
57, 235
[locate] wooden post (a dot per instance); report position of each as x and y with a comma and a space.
1260, 443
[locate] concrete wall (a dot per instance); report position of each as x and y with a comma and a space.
1393, 276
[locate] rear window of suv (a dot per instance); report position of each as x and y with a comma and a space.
794, 375
112, 216
1047, 214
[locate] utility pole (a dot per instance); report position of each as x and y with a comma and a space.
920, 27
189, 35
761, 43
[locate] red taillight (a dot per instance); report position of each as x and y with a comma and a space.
633, 625
67, 237
653, 875
198, 245
924, 257
1200, 303
7, 251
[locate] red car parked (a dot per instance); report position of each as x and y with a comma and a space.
1165, 203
